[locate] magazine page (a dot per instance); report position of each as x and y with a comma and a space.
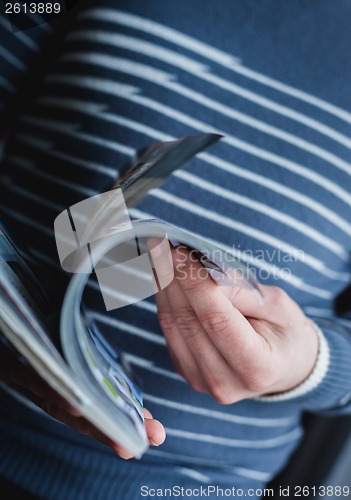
23, 327
120, 259
96, 381
96, 236
156, 163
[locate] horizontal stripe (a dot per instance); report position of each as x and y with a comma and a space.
12, 59
10, 186
19, 161
97, 110
125, 327
43, 257
207, 51
273, 270
254, 233
21, 399
167, 80
218, 415
28, 221
203, 72
194, 461
197, 181
131, 94
154, 28
47, 147
277, 215
320, 312
346, 323
142, 304
305, 287
148, 365
70, 129
237, 443
115, 297
27, 40
19, 35
6, 84
40, 22
198, 476
111, 293
281, 189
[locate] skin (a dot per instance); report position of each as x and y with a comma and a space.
22, 377
227, 341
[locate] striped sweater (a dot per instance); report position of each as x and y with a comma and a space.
77, 100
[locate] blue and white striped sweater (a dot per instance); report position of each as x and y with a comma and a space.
275, 190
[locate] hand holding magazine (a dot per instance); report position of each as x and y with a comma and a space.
97, 236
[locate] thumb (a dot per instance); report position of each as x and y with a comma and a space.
269, 303
249, 301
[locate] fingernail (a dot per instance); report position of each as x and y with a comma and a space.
153, 443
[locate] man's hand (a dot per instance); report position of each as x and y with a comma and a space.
227, 341
29, 383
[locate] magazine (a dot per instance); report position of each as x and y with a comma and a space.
85, 370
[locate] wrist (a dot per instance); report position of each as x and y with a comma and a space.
312, 380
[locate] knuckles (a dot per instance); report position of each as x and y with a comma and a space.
257, 381
186, 321
166, 320
223, 394
283, 307
279, 297
214, 323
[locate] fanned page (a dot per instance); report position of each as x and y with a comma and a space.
90, 235
23, 325
101, 368
23, 329
97, 236
96, 379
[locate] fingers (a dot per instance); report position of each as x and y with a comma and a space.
182, 358
155, 431
188, 331
46, 398
210, 342
227, 339
270, 303
224, 324
147, 413
272, 306
279, 308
